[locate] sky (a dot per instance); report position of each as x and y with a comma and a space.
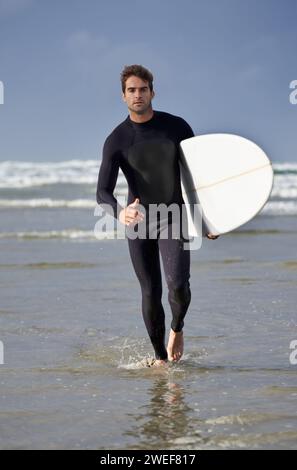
222, 65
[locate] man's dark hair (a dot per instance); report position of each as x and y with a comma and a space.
138, 71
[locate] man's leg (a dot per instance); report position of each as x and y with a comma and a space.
176, 262
145, 258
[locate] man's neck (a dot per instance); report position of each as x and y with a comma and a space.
139, 118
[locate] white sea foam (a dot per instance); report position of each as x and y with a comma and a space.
285, 185
271, 208
280, 208
26, 174
285, 167
285, 207
66, 234
16, 176
48, 202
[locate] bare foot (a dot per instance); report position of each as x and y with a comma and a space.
175, 347
152, 362
160, 363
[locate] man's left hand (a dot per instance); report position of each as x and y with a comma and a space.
212, 237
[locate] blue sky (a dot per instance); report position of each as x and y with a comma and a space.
223, 65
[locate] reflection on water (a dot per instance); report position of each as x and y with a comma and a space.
165, 418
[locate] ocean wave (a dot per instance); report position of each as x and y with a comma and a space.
56, 203
284, 185
280, 208
70, 234
35, 178
286, 167
20, 175
17, 174
284, 193
48, 203
284, 207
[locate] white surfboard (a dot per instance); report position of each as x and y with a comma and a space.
228, 176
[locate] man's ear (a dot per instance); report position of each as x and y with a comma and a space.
153, 94
123, 97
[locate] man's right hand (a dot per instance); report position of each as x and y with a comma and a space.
130, 215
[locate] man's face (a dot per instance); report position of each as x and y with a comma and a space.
138, 95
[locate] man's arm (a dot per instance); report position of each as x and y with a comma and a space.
107, 179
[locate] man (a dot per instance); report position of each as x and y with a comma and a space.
146, 148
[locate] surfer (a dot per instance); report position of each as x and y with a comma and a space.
146, 148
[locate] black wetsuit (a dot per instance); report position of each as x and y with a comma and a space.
148, 154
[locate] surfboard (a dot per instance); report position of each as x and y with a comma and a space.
226, 179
